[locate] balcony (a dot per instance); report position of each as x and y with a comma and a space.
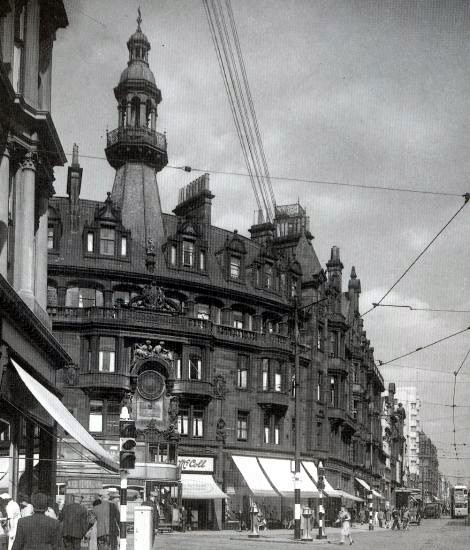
337, 365
165, 324
136, 143
271, 400
104, 381
336, 415
193, 388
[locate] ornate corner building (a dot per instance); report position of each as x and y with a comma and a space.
128, 284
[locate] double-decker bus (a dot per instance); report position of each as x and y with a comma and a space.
459, 501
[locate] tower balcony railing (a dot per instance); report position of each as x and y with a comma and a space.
140, 134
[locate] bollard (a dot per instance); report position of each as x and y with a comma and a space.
307, 531
254, 532
143, 528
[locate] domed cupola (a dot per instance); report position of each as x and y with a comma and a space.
136, 138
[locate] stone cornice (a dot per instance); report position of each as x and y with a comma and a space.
19, 312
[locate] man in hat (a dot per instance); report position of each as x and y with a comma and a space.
13, 515
107, 523
38, 532
74, 519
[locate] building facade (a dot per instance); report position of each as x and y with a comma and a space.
407, 395
127, 281
430, 476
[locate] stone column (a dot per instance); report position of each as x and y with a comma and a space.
31, 53
15, 426
108, 298
24, 244
143, 115
40, 287
128, 114
4, 196
153, 118
61, 294
257, 322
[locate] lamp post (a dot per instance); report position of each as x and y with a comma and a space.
321, 509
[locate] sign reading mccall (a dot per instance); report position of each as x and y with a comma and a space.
196, 463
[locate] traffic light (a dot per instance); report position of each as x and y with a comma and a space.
127, 434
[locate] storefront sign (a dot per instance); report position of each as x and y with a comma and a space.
196, 463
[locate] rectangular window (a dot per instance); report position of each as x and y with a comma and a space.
293, 287
203, 311
258, 276
278, 377
265, 374
107, 354
178, 372
113, 411
319, 386
235, 264
123, 246
50, 237
107, 238
242, 426
90, 242
198, 423
267, 429
242, 372
173, 255
195, 367
183, 421
268, 276
277, 430
333, 392
202, 260
237, 317
95, 420
188, 254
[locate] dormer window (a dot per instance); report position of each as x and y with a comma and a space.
107, 240
235, 265
188, 253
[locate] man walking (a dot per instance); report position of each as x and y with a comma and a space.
13, 514
107, 525
38, 532
74, 519
396, 519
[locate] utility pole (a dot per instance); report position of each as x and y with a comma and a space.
370, 495
297, 423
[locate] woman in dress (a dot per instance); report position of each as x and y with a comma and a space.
345, 520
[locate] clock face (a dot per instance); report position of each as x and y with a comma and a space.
150, 385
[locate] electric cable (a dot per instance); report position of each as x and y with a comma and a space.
374, 305
412, 308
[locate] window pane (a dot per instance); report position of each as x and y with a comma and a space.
235, 267
188, 253
173, 255
242, 426
183, 419
198, 417
107, 238
203, 311
95, 423
195, 367
237, 317
277, 382
89, 242
265, 374
50, 237
123, 246
106, 361
202, 261
178, 373
268, 273
266, 434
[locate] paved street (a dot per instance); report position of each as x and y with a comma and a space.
442, 534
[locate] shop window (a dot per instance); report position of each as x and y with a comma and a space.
242, 425
95, 419
195, 367
188, 254
123, 246
242, 372
237, 319
173, 255
107, 353
235, 265
198, 423
83, 297
90, 241
107, 241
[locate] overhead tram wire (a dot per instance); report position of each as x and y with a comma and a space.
427, 309
382, 363
456, 373
374, 305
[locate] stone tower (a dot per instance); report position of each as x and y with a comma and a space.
135, 149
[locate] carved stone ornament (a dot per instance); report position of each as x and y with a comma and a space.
173, 409
220, 430
153, 297
70, 375
219, 386
147, 351
29, 161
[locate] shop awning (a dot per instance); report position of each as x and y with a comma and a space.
200, 486
254, 477
311, 470
279, 473
348, 496
69, 423
363, 483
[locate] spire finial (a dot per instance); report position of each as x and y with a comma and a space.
139, 18
75, 155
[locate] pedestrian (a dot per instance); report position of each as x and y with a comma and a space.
388, 518
406, 519
74, 518
38, 532
345, 519
107, 525
13, 514
362, 516
26, 508
395, 519
380, 517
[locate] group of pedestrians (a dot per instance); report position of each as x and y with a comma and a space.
38, 525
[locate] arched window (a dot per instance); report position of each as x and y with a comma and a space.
135, 112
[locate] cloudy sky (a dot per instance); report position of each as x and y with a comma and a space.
355, 91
